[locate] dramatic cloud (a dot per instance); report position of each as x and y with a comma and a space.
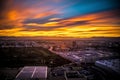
70, 18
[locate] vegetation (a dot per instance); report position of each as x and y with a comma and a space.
29, 56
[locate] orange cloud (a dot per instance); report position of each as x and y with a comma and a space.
89, 25
45, 14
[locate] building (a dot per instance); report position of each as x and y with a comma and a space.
74, 75
110, 64
32, 73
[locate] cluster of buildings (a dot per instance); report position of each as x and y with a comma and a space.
77, 52
19, 43
89, 56
45, 73
70, 72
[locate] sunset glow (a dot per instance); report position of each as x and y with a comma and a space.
61, 18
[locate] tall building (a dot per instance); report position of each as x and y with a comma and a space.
74, 45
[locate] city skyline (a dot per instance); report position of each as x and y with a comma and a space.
60, 18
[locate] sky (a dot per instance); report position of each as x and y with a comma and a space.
60, 18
